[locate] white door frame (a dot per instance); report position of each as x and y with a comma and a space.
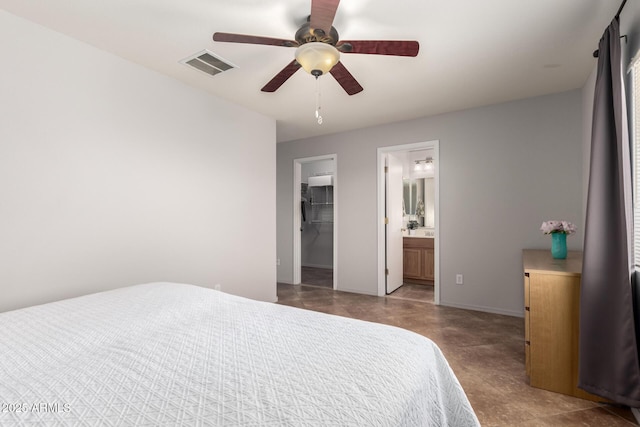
435, 145
297, 220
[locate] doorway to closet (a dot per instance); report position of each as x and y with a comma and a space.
315, 235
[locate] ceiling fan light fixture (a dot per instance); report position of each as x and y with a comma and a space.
317, 58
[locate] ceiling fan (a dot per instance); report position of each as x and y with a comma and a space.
319, 47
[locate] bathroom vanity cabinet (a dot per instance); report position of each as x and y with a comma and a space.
418, 260
551, 321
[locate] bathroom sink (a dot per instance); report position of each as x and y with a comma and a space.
428, 233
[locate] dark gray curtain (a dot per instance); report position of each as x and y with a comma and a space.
609, 364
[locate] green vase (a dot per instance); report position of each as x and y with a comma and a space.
559, 245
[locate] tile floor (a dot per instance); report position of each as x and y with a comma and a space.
317, 276
484, 350
408, 291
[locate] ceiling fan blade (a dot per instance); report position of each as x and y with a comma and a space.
244, 38
380, 47
322, 14
281, 77
346, 80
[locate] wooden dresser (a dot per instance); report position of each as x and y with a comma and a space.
551, 320
418, 260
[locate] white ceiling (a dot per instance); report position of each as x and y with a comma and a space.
472, 52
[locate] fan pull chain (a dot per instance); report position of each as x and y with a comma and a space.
318, 116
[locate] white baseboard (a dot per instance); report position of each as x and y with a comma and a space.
492, 310
636, 413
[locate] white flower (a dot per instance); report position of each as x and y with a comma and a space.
565, 227
568, 227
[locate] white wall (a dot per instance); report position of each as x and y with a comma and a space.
504, 169
319, 167
630, 26
112, 175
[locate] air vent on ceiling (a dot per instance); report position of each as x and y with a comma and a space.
207, 62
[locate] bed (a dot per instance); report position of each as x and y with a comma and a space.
175, 354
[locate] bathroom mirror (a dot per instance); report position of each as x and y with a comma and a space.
419, 190
409, 195
412, 190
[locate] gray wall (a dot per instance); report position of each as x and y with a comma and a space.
113, 175
504, 169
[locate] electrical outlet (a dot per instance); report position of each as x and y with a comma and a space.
217, 287
278, 261
459, 279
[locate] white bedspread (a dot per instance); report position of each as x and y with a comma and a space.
171, 354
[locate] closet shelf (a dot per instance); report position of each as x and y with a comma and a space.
321, 201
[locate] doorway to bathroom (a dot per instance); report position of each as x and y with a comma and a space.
408, 218
315, 225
